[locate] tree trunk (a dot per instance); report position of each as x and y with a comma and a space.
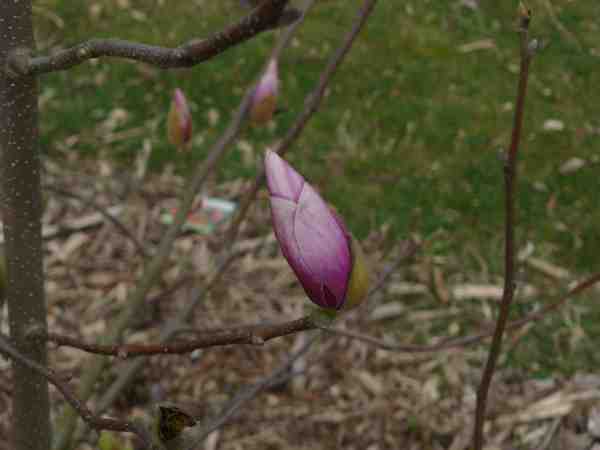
21, 214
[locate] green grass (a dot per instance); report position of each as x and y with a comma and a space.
411, 130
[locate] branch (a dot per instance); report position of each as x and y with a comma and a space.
252, 335
106, 214
510, 175
264, 17
249, 393
170, 329
249, 334
224, 258
154, 267
173, 326
464, 341
407, 250
311, 106
97, 422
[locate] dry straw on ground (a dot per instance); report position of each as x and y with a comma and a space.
345, 392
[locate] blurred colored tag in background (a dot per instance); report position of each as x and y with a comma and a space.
206, 215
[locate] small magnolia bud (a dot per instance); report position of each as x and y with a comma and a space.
324, 256
264, 100
179, 120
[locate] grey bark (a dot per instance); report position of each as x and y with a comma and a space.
21, 208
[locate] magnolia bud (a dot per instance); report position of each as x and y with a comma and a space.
324, 256
179, 121
264, 100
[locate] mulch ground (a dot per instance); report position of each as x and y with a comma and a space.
344, 393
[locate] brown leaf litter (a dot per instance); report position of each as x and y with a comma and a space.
347, 393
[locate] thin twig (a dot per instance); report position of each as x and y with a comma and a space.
312, 104
551, 433
510, 175
96, 422
170, 329
110, 217
264, 17
251, 335
247, 334
464, 341
407, 250
249, 393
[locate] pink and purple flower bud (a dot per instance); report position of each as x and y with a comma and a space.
322, 253
264, 100
179, 120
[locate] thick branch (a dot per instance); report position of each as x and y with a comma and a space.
189, 54
21, 205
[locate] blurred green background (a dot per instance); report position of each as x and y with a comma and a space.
411, 130
412, 126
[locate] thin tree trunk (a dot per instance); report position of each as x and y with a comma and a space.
21, 214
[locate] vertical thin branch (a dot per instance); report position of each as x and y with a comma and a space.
312, 104
21, 214
154, 268
510, 177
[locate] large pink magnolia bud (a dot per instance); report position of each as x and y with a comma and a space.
264, 100
324, 256
179, 120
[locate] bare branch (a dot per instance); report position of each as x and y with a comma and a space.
154, 267
312, 104
510, 175
169, 330
264, 17
406, 251
464, 341
252, 335
249, 334
249, 393
106, 214
97, 422
224, 258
